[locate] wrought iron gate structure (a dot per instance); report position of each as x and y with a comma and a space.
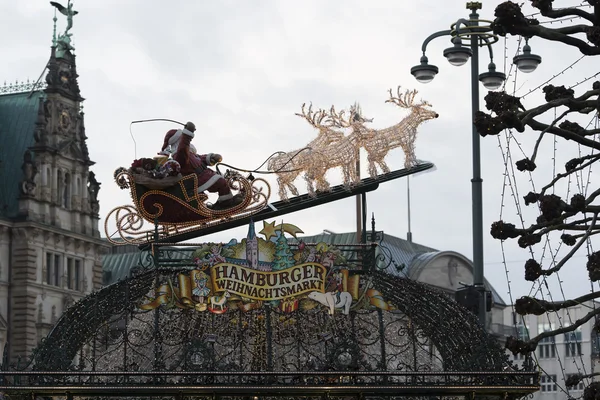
112, 343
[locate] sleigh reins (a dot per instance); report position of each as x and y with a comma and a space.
257, 170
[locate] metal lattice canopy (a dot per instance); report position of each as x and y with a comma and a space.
115, 341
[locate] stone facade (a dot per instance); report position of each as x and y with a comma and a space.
50, 251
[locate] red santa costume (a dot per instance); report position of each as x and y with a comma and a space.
178, 143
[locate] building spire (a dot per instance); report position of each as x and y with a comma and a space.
252, 246
54, 30
251, 231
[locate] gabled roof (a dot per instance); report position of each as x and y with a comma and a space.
18, 113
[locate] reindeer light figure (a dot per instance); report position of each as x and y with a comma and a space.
341, 153
403, 134
287, 166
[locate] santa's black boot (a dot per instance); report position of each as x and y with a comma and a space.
226, 198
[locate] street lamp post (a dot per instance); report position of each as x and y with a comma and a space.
479, 35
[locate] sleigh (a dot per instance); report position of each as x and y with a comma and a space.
174, 206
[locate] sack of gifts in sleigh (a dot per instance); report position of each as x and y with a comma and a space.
162, 196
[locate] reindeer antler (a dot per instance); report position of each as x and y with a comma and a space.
337, 119
405, 101
320, 116
397, 100
409, 97
308, 116
315, 119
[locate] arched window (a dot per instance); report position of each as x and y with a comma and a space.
66, 195
59, 186
45, 176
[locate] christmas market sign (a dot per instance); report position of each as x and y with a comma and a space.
299, 279
248, 274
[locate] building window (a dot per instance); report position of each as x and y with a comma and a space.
66, 198
78, 275
59, 187
595, 343
573, 343
53, 269
547, 348
579, 386
522, 334
74, 273
548, 383
45, 176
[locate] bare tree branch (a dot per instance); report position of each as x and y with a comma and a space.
556, 215
566, 329
539, 126
537, 143
568, 12
566, 258
510, 20
581, 104
593, 158
570, 30
530, 305
556, 36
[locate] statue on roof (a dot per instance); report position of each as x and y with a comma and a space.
64, 40
68, 11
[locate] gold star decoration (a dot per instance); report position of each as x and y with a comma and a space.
269, 230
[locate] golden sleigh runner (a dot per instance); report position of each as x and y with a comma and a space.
173, 205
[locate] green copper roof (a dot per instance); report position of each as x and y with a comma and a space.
18, 112
119, 264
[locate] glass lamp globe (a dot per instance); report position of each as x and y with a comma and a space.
424, 73
527, 62
492, 79
458, 54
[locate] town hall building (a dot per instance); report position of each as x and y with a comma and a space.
50, 246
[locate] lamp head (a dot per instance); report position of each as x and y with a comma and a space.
527, 62
458, 54
492, 79
424, 72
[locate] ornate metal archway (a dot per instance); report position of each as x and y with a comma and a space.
138, 338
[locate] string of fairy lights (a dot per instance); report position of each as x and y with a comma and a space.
506, 144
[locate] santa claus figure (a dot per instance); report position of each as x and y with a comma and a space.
178, 144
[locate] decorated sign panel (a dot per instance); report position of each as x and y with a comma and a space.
268, 270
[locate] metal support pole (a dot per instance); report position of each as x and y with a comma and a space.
476, 182
409, 233
363, 227
359, 205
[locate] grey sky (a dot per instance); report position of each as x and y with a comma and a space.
240, 70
